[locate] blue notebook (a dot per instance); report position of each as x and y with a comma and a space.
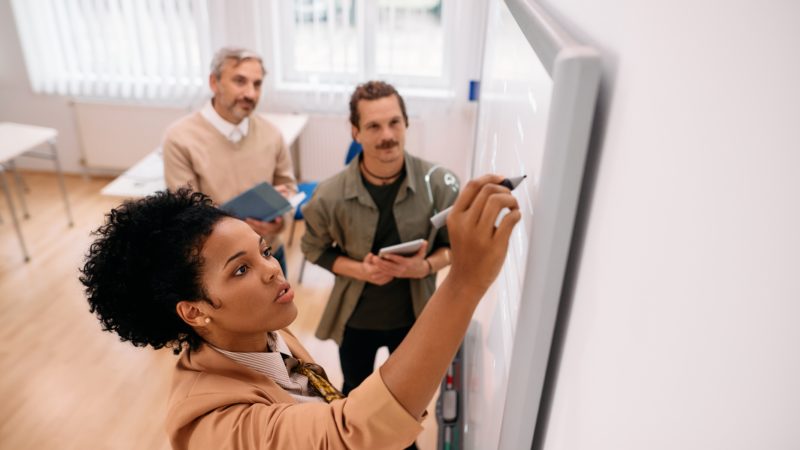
260, 202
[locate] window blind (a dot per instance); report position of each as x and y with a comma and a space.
141, 50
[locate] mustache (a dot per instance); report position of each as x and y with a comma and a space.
389, 143
248, 101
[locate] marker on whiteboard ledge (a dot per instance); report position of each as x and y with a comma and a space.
440, 218
448, 438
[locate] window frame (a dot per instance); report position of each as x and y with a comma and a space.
287, 78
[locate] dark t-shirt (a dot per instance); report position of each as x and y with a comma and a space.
389, 306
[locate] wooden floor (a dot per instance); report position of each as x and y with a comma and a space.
64, 383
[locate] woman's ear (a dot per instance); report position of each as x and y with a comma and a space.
191, 314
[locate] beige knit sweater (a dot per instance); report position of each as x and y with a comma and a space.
199, 156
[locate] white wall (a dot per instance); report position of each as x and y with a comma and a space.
685, 319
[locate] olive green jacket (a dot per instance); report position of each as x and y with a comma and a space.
341, 213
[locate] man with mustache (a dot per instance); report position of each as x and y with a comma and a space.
224, 149
385, 196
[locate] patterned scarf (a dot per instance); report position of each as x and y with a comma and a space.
316, 375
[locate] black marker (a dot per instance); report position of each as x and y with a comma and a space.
439, 219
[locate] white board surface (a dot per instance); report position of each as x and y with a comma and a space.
538, 90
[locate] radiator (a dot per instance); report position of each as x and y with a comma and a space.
323, 146
117, 136
326, 138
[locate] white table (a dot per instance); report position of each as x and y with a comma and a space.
20, 140
147, 175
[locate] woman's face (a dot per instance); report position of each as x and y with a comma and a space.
246, 286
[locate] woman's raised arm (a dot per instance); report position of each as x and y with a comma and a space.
414, 370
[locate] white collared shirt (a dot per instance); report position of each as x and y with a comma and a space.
271, 365
233, 133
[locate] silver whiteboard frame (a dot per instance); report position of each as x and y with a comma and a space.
575, 70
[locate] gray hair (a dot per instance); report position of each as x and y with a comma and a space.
235, 53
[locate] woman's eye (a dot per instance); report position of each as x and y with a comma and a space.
267, 252
241, 270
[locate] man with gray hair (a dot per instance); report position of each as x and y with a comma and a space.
224, 149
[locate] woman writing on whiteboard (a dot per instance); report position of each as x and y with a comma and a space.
172, 270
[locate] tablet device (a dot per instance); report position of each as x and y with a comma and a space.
403, 249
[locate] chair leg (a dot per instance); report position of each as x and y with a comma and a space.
10, 201
291, 232
21, 189
302, 269
61, 184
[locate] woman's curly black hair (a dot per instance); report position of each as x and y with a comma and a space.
145, 260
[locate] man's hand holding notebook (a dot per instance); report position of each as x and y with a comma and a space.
261, 202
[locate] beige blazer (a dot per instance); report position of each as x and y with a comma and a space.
216, 403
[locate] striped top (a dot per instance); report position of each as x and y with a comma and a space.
271, 365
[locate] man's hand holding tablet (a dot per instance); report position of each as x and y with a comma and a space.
406, 260
403, 249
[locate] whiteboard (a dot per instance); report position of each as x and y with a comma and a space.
538, 90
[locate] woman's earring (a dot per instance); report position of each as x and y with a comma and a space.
208, 320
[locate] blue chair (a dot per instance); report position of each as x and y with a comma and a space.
352, 152
308, 189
